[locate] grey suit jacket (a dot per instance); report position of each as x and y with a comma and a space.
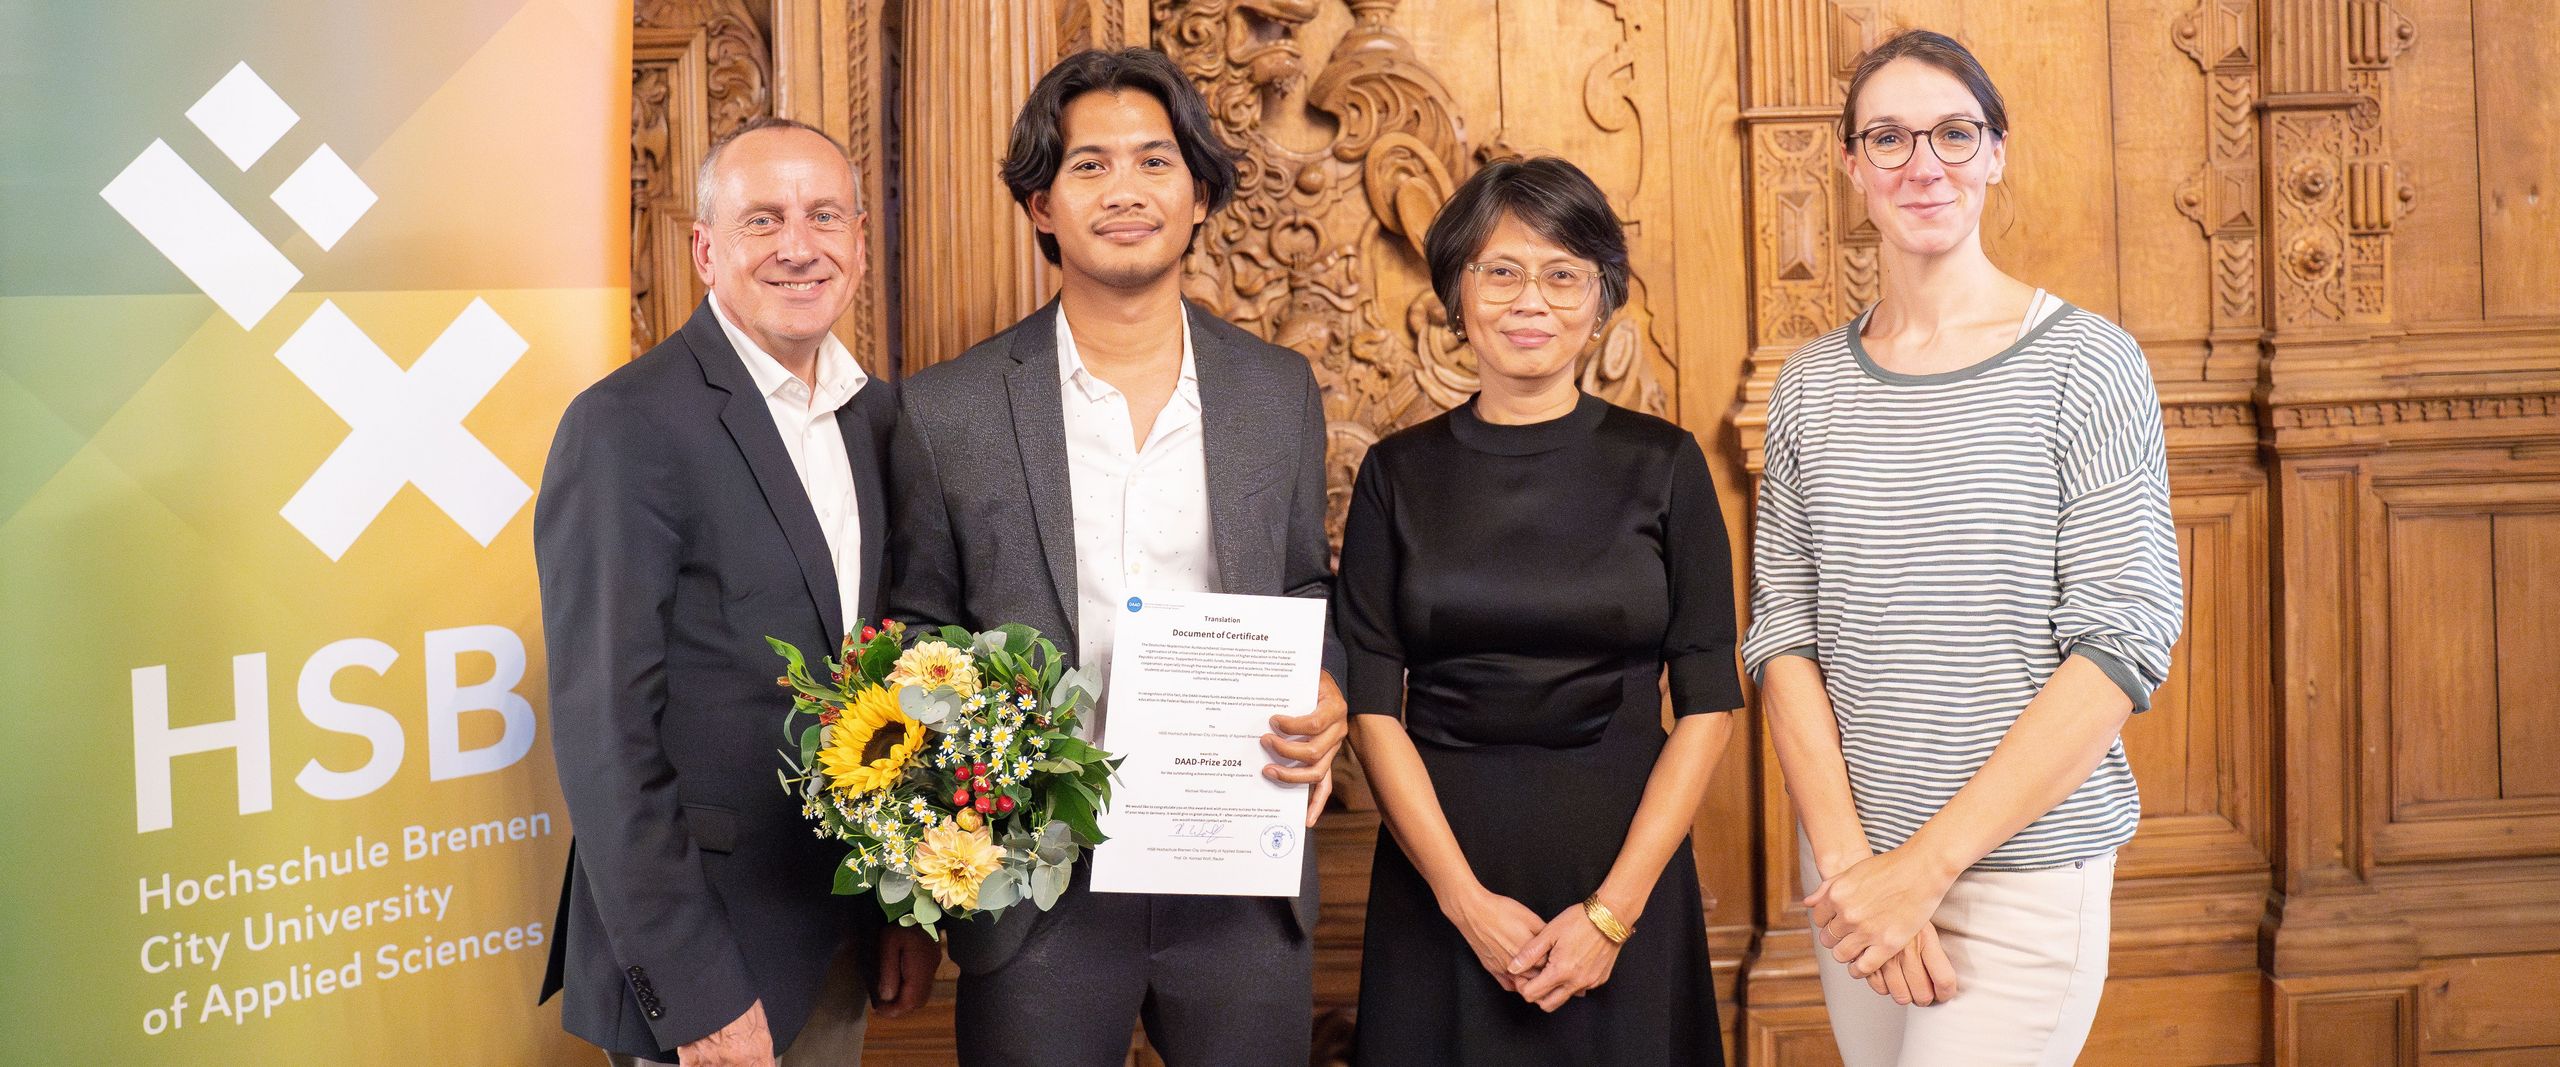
672, 536
982, 530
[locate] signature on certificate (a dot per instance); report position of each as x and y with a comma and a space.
1201, 831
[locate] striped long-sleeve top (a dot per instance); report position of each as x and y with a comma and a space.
1940, 543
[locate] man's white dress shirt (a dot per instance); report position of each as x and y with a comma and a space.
1142, 510
809, 432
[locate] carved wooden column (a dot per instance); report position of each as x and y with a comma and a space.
1813, 265
971, 266
699, 69
835, 67
2342, 961
2222, 197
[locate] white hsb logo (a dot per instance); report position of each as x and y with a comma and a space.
156, 743
406, 426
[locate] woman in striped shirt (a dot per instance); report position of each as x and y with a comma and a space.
1964, 579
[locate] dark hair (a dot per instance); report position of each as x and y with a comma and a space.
1937, 50
1039, 146
702, 181
1550, 196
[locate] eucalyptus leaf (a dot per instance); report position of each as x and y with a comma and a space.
1047, 885
894, 887
1072, 682
1001, 890
929, 708
926, 910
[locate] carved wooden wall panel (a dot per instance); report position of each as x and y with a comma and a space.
699, 69
2296, 217
2333, 224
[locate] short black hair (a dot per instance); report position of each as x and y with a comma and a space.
1550, 196
1039, 146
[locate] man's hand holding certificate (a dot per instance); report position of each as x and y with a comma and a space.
1195, 680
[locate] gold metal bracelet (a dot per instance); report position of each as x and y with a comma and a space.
1600, 916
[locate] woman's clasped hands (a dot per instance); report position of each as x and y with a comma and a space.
1874, 916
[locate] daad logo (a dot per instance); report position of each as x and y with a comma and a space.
406, 426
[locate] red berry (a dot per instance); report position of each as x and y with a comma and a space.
1004, 805
960, 798
979, 784
985, 805
977, 770
868, 633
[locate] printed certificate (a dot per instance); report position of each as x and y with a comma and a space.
1195, 680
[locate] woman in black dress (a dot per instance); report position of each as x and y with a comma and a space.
1516, 576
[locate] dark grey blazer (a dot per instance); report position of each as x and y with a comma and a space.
983, 531
672, 536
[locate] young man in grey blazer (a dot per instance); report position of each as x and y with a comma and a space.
1120, 439
721, 488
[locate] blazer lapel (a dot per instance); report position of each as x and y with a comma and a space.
1227, 446
1040, 432
750, 425
858, 420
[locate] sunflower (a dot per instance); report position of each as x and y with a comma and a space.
871, 744
951, 863
935, 665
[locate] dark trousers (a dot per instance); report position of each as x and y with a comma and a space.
1215, 980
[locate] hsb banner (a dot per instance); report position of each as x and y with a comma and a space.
291, 296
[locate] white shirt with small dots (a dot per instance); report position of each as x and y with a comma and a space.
1142, 510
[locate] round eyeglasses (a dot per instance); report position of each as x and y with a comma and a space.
1954, 141
1501, 282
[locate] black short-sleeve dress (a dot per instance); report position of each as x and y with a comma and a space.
1515, 593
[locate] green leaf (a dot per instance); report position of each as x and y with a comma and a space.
1084, 790
927, 912
1076, 810
877, 660
1047, 885
1001, 890
848, 880
957, 637
809, 740
1018, 638
790, 653
895, 887
1068, 748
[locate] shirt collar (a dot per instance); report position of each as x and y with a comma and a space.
1072, 372
839, 376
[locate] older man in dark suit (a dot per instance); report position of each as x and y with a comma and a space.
1120, 439
722, 488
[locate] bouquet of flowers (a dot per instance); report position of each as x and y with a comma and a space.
948, 763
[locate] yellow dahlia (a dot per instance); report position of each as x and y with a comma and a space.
951, 863
935, 665
870, 745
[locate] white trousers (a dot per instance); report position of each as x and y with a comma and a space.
2030, 952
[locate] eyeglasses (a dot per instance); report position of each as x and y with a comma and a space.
1501, 282
1955, 141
